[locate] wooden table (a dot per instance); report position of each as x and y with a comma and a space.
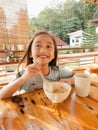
34, 111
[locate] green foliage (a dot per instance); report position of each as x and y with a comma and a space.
90, 37
65, 18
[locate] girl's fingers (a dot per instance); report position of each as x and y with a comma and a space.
32, 70
35, 66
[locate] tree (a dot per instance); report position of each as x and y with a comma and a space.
70, 25
64, 18
90, 37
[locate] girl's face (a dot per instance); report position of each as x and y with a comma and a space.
42, 49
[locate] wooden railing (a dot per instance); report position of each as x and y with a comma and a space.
80, 56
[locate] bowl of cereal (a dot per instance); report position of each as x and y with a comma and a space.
59, 92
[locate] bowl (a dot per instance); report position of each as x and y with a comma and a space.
59, 93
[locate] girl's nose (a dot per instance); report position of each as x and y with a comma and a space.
43, 49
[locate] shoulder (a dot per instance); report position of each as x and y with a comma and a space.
54, 68
64, 72
59, 69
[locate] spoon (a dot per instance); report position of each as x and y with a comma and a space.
48, 85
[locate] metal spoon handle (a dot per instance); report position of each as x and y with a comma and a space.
42, 76
48, 85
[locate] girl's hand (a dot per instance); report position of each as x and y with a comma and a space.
30, 70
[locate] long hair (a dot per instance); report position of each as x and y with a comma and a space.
27, 55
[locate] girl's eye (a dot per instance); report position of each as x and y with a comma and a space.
49, 46
37, 45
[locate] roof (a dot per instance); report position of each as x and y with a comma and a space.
92, 1
60, 42
94, 21
76, 33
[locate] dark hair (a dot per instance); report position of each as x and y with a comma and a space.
27, 55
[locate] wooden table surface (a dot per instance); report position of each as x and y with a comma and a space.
33, 111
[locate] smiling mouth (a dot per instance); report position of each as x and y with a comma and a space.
43, 56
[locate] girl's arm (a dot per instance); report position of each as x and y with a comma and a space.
10, 89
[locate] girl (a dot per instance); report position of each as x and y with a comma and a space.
41, 55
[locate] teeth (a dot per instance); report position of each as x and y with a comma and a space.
43, 56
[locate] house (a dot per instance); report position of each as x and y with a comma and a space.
60, 43
76, 38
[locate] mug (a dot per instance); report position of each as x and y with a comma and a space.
82, 84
